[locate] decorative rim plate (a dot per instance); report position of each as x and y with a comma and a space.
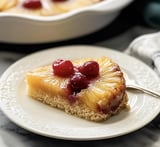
44, 120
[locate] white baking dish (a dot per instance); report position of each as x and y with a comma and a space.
19, 28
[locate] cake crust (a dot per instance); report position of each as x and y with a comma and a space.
80, 110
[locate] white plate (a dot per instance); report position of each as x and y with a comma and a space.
42, 119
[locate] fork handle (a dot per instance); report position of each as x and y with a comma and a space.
145, 90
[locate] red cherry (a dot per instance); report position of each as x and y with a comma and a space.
63, 68
32, 4
78, 82
90, 69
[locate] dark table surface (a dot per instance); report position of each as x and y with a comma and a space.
118, 35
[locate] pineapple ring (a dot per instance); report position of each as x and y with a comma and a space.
7, 4
106, 91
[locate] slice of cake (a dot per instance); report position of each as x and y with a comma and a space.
93, 89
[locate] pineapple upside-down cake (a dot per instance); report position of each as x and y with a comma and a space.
93, 89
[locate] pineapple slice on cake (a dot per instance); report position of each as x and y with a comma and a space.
7, 4
93, 89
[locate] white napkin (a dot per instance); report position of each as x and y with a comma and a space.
147, 48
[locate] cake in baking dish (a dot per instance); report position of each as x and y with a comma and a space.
93, 89
7, 4
43, 7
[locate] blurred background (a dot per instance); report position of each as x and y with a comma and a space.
140, 17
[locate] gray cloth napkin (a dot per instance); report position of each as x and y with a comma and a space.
147, 49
